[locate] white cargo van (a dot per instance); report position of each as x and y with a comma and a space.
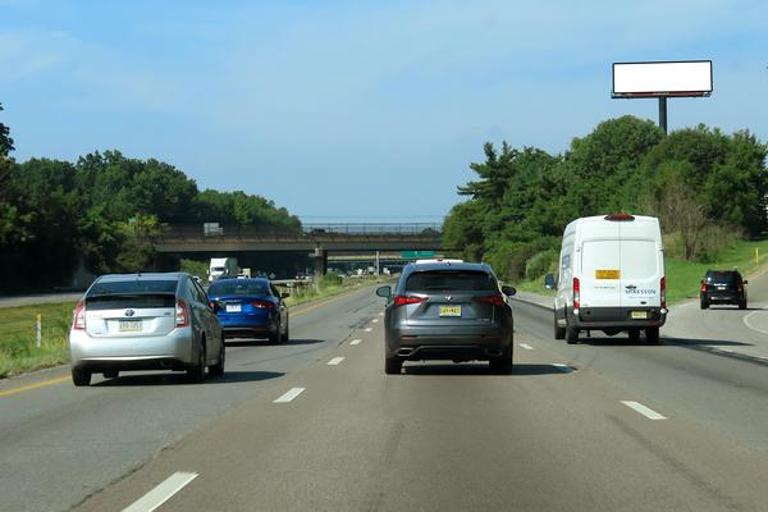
611, 278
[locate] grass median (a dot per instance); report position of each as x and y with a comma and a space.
19, 352
684, 277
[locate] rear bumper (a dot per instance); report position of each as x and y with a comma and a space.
175, 350
722, 298
617, 318
467, 344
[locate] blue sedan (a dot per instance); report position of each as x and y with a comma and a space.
250, 308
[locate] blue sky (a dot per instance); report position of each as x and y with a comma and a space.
342, 110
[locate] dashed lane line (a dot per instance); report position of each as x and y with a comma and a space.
162, 493
645, 411
375, 321
563, 367
368, 329
335, 361
356, 341
526, 346
289, 396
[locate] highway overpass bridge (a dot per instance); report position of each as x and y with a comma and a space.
317, 240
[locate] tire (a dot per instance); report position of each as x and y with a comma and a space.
217, 370
704, 304
559, 331
634, 335
197, 373
571, 335
81, 377
743, 305
287, 333
277, 338
502, 364
111, 374
652, 335
393, 366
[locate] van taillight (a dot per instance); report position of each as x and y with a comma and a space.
664, 292
402, 300
576, 293
182, 313
78, 316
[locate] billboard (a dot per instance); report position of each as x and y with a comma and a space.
662, 79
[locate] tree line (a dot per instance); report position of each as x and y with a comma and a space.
101, 212
706, 187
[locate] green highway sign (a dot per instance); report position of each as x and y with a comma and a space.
415, 255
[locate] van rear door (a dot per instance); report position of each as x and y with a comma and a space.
640, 274
600, 266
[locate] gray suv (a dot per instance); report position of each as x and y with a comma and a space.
145, 322
448, 310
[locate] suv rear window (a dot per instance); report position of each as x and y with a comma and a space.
453, 280
723, 277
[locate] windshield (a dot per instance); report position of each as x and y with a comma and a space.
443, 280
239, 287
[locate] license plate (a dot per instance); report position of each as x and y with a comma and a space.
450, 310
639, 315
721, 288
234, 308
130, 326
607, 274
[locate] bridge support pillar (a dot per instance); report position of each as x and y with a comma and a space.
321, 261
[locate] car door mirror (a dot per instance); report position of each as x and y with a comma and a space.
509, 291
384, 291
549, 282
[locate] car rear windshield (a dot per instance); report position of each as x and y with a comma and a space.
132, 294
723, 277
454, 280
239, 287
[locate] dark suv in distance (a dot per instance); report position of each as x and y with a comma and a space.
449, 311
723, 287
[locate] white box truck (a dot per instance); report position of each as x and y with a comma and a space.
611, 278
222, 267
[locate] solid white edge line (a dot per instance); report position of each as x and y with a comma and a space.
746, 318
162, 493
526, 346
645, 411
288, 396
355, 341
335, 361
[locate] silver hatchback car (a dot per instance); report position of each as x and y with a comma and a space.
448, 310
145, 322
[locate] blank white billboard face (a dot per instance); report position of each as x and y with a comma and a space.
691, 78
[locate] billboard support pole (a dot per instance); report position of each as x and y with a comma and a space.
663, 113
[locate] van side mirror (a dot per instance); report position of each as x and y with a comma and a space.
509, 291
384, 291
549, 282
746, 282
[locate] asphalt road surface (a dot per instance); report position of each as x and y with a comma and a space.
317, 425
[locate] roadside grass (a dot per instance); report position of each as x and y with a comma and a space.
311, 292
684, 277
18, 352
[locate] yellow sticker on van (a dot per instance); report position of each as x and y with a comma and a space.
607, 274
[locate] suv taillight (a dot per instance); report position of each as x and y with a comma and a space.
664, 292
704, 287
78, 316
182, 313
576, 293
402, 300
496, 300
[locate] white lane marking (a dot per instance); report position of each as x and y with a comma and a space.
381, 313
375, 321
746, 318
355, 341
290, 395
645, 411
162, 493
563, 367
335, 361
368, 329
526, 346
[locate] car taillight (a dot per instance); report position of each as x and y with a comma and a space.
182, 313
262, 304
576, 293
402, 300
496, 300
664, 292
78, 316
